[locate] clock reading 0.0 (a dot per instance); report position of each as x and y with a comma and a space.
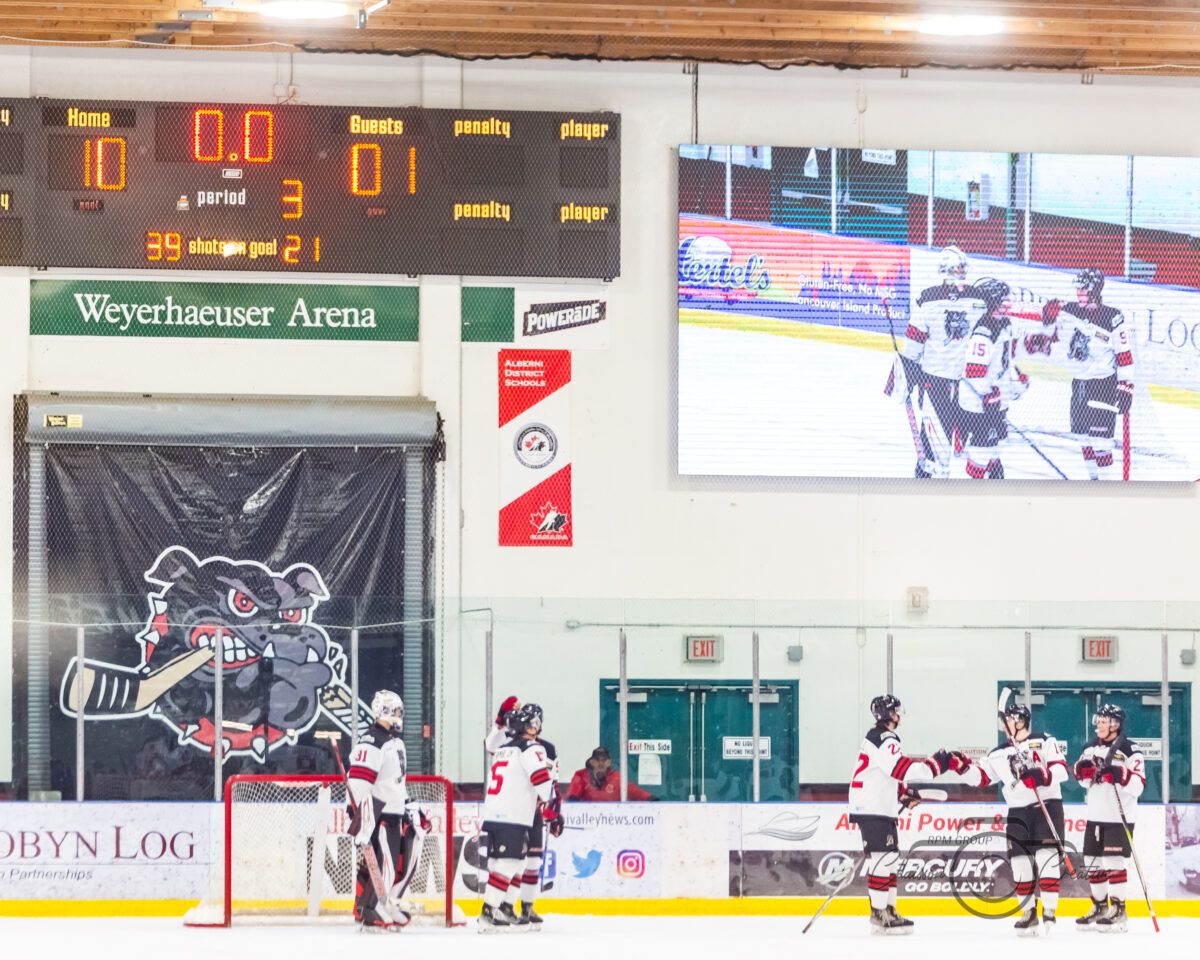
215, 186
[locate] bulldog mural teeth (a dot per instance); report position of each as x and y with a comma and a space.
281, 672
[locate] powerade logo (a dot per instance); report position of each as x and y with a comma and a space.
631, 864
707, 262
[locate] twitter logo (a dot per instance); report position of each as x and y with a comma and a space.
586, 866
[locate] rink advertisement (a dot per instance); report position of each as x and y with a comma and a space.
535, 452
244, 311
104, 851
854, 313
947, 850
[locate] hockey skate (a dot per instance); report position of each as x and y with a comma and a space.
1027, 926
379, 921
1049, 922
887, 923
1089, 920
511, 920
1117, 920
901, 925
529, 917
491, 922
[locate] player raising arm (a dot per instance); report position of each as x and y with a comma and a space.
1110, 764
1029, 766
877, 789
383, 816
521, 783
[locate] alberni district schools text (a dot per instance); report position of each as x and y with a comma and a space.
530, 378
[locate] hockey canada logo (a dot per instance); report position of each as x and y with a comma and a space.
536, 446
549, 522
280, 671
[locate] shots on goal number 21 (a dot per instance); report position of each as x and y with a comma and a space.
937, 314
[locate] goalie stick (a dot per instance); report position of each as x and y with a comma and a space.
926, 795
897, 361
1006, 695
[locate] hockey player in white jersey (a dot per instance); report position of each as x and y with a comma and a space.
1029, 765
990, 381
877, 791
383, 816
1110, 764
1098, 353
527, 883
520, 784
934, 350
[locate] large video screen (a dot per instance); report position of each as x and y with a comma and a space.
938, 314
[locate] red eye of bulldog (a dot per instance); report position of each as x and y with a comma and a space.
241, 604
293, 615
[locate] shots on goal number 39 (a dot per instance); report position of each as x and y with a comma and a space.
938, 314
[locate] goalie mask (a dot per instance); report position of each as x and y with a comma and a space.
388, 705
952, 266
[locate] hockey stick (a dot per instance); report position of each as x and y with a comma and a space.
1023, 435
1006, 695
908, 406
105, 689
367, 849
850, 875
1136, 861
1125, 458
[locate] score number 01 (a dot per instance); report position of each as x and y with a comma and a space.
258, 146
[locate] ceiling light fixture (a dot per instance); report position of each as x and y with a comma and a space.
304, 9
960, 26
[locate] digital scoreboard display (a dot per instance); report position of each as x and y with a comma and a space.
222, 186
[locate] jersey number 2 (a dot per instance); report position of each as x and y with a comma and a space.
863, 760
497, 777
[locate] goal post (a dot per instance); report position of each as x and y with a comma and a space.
284, 853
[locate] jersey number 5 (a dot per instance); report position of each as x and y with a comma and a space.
863, 760
497, 777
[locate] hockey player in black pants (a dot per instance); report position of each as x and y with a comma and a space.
1110, 764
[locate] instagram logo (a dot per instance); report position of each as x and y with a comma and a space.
631, 864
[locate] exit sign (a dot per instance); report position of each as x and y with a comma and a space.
703, 649
1100, 649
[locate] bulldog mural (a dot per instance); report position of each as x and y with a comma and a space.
280, 671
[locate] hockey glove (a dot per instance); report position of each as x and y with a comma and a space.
1085, 770
909, 797
416, 815
552, 814
1124, 396
508, 706
1034, 776
991, 399
1114, 773
959, 762
1050, 311
941, 759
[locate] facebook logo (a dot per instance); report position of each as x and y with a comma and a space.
549, 865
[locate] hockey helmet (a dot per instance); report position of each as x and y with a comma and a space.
1091, 281
952, 265
992, 292
1016, 711
387, 705
526, 717
885, 706
1111, 712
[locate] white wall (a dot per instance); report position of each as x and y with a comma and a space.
641, 531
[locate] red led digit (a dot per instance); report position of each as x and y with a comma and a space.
174, 246
208, 130
412, 169
87, 163
154, 246
265, 136
295, 199
375, 182
292, 248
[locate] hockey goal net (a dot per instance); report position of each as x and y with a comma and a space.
284, 853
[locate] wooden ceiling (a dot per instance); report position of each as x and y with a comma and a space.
1152, 36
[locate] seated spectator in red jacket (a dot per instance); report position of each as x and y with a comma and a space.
598, 781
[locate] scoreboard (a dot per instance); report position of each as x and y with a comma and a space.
222, 186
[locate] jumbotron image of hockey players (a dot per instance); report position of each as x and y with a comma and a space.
877, 791
527, 883
1030, 768
1099, 356
990, 381
934, 350
1113, 772
384, 817
520, 784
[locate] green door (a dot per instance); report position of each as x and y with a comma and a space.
701, 736
1066, 709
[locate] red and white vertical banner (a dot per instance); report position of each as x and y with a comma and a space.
535, 452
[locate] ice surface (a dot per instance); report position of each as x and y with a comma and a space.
577, 937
